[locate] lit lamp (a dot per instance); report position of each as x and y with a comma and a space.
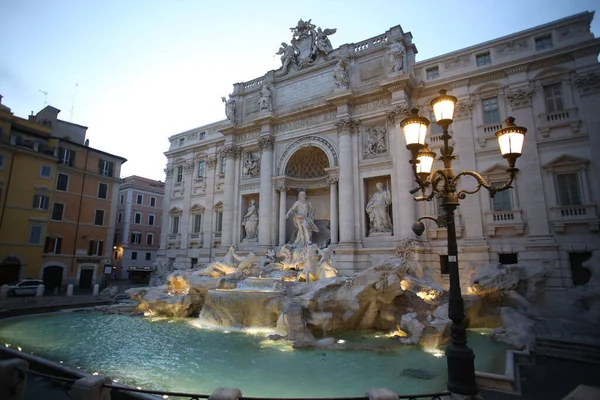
510, 139
461, 366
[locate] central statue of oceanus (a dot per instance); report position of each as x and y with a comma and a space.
303, 214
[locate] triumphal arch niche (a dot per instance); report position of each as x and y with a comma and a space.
315, 135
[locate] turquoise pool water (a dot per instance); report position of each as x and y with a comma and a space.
178, 355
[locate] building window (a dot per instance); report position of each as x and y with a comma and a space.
122, 199
202, 135
45, 171
149, 239
152, 201
139, 199
136, 238
444, 267
99, 217
40, 202
58, 210
434, 128
502, 201
116, 238
62, 182
179, 173
508, 258
175, 225
102, 190
581, 275
194, 262
569, 189
543, 42
120, 217
95, 247
134, 255
35, 234
67, 157
219, 221
483, 59
223, 165
105, 168
137, 219
52, 245
1, 161
491, 111
148, 256
197, 225
181, 141
151, 219
553, 97
201, 169
432, 73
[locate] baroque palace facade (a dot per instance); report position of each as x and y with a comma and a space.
327, 123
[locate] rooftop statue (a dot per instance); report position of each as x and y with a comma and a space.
229, 108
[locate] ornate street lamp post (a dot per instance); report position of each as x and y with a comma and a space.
443, 182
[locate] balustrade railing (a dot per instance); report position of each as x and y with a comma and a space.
370, 43
253, 83
578, 212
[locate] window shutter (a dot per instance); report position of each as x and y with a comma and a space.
47, 245
100, 162
35, 201
100, 247
91, 248
132, 237
71, 158
110, 169
58, 244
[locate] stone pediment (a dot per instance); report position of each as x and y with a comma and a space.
566, 159
219, 205
175, 210
197, 208
495, 169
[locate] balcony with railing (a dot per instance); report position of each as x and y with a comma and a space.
174, 240
195, 240
512, 219
585, 214
34, 145
487, 132
557, 119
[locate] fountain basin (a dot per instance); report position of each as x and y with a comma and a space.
176, 355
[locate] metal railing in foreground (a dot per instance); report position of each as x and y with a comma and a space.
194, 396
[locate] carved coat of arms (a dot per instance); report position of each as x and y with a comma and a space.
307, 44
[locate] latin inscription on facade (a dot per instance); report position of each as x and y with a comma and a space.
374, 105
305, 89
304, 122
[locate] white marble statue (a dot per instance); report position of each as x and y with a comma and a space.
246, 264
303, 214
264, 102
340, 74
229, 108
250, 222
397, 53
378, 210
288, 56
325, 268
222, 268
322, 43
309, 263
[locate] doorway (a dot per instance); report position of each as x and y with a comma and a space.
10, 270
85, 278
52, 277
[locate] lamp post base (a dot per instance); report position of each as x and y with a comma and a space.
461, 371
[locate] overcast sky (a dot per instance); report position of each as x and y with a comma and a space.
148, 69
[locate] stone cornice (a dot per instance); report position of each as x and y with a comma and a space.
566, 141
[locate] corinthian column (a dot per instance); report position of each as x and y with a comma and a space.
265, 212
282, 211
333, 208
404, 204
231, 152
346, 127
207, 227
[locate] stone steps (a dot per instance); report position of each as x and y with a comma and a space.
578, 351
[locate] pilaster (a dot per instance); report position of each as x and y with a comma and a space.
231, 152
207, 227
346, 129
266, 144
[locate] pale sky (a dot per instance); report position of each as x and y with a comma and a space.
148, 69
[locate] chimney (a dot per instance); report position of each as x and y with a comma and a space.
32, 117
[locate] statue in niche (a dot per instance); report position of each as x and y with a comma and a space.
264, 102
250, 222
229, 108
288, 55
340, 74
251, 166
304, 221
375, 141
397, 53
378, 211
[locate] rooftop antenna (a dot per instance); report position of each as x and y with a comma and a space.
73, 103
45, 96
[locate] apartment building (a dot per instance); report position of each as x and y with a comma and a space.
137, 227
